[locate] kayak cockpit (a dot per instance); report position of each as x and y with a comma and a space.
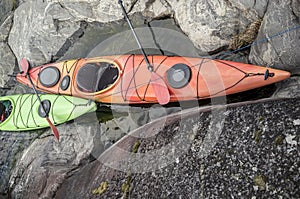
95, 77
5, 110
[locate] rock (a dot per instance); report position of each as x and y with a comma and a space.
5, 28
289, 88
11, 148
211, 24
6, 6
7, 63
105, 11
255, 6
279, 51
53, 26
51, 162
100, 39
126, 119
46, 26
188, 158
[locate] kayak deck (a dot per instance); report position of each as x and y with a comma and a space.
25, 113
129, 81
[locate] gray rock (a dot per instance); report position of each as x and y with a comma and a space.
50, 26
11, 148
289, 88
126, 119
45, 27
211, 24
7, 63
105, 11
55, 27
255, 6
98, 39
51, 161
6, 6
279, 51
5, 27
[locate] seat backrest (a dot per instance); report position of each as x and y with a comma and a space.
2, 112
2, 108
87, 77
108, 77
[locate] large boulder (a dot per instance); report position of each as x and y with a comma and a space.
280, 51
211, 24
12, 146
49, 162
7, 63
50, 26
45, 27
289, 88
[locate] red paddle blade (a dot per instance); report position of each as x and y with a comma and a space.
160, 89
24, 65
54, 129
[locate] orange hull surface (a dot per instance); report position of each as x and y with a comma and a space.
131, 83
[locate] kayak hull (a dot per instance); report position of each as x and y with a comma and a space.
207, 78
24, 114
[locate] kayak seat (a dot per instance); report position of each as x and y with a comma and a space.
2, 112
108, 77
87, 77
5, 110
93, 77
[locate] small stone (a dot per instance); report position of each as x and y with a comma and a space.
296, 122
290, 139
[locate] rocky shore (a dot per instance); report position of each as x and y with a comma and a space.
247, 149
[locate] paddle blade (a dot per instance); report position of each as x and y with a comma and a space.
54, 129
24, 65
160, 89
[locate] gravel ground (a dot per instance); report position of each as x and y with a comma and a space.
247, 151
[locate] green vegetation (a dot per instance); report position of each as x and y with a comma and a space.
101, 189
257, 135
246, 37
136, 146
15, 4
260, 118
260, 181
279, 140
126, 186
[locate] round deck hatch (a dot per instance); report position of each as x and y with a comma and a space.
49, 76
179, 75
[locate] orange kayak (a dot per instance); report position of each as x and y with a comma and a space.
125, 79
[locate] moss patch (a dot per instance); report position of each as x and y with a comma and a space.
260, 182
279, 140
257, 135
260, 118
126, 186
136, 146
101, 189
246, 37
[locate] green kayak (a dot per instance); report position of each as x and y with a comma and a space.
24, 112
